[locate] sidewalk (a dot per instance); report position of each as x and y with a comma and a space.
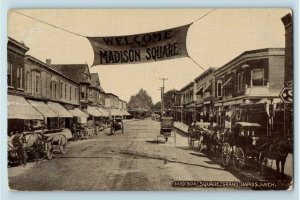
288, 168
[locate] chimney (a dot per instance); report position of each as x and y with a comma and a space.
48, 61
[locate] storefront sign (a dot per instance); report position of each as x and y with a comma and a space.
140, 48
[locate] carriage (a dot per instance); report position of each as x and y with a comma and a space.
247, 145
207, 136
116, 124
166, 128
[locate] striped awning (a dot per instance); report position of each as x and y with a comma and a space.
93, 111
115, 112
77, 112
59, 109
19, 108
104, 112
43, 108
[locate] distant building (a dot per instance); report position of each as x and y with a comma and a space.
204, 95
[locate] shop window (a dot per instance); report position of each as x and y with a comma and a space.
20, 77
257, 77
9, 74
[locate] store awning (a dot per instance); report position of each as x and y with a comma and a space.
115, 112
200, 90
59, 109
19, 108
77, 112
227, 83
43, 108
94, 111
125, 113
207, 88
104, 112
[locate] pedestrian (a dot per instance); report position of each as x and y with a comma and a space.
19, 141
74, 132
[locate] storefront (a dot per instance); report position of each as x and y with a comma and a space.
50, 117
20, 113
79, 116
64, 117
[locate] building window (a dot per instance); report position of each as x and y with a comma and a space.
90, 93
75, 93
257, 77
37, 83
65, 91
61, 90
9, 74
53, 89
28, 82
239, 82
83, 91
20, 77
219, 89
70, 93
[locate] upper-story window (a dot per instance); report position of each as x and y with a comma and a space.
20, 77
53, 89
61, 90
9, 74
37, 82
75, 93
219, 88
65, 91
70, 93
28, 82
83, 91
257, 77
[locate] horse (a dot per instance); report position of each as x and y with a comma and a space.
38, 144
276, 149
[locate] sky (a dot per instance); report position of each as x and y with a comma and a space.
211, 41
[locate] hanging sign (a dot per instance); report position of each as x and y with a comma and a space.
140, 48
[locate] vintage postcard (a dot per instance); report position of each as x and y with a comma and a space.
150, 99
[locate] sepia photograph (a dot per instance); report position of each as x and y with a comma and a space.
150, 99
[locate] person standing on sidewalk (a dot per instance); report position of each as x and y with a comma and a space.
74, 132
19, 142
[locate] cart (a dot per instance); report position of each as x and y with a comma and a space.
240, 146
167, 129
116, 124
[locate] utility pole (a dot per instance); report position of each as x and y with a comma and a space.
163, 92
161, 99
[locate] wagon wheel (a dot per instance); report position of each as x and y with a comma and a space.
63, 146
238, 159
266, 164
49, 150
226, 154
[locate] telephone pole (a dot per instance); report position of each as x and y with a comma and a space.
161, 98
163, 92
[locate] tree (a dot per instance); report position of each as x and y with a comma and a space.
157, 107
140, 102
169, 99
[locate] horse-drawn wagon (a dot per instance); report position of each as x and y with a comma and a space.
166, 128
247, 144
